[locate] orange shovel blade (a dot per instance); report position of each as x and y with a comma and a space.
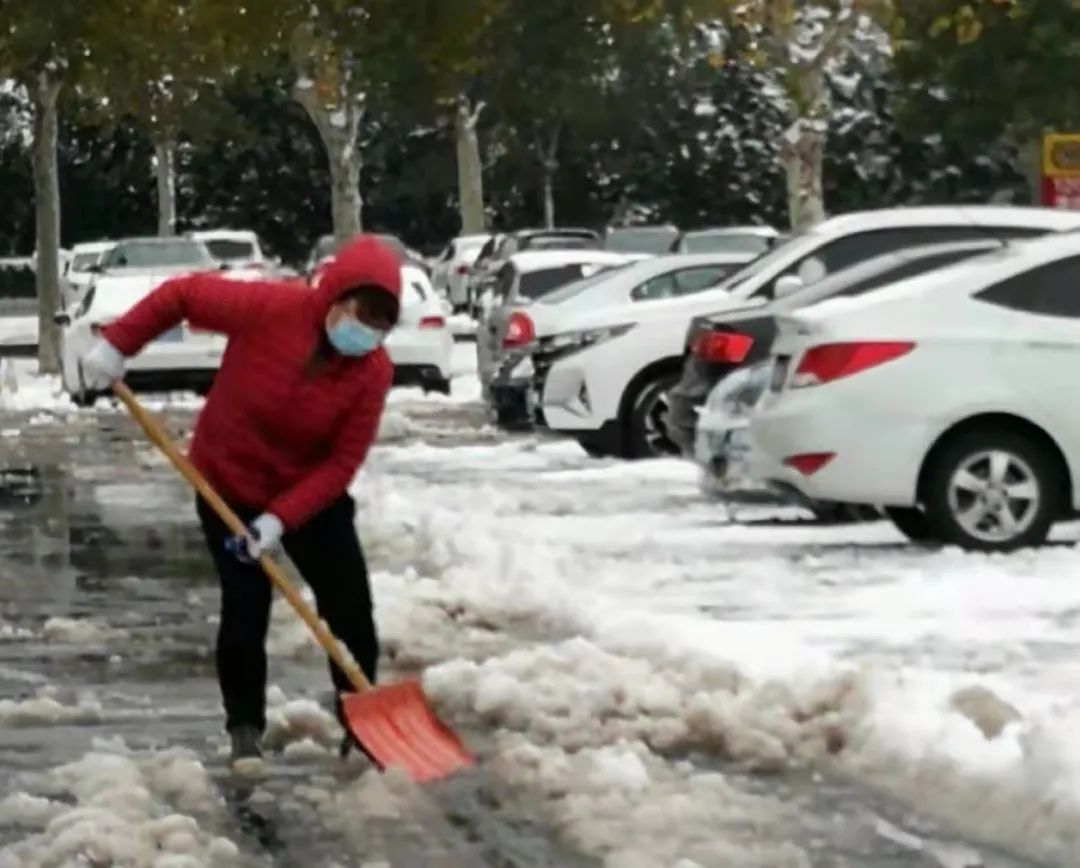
397, 728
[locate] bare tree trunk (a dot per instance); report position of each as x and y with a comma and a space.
470, 169
165, 173
549, 164
339, 128
803, 155
1029, 151
45, 92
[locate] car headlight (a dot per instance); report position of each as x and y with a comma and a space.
579, 340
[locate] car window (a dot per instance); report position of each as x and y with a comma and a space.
227, 248
1050, 290
83, 261
535, 284
691, 280
661, 286
850, 250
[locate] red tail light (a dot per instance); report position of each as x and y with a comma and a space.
519, 331
729, 347
809, 463
433, 322
462, 269
829, 362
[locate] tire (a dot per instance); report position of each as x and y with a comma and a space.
1028, 460
912, 523
439, 387
84, 399
646, 425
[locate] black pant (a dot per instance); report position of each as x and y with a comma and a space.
327, 553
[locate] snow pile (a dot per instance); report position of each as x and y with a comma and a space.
23, 389
77, 631
45, 708
114, 807
579, 640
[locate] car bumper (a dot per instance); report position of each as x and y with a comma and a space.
876, 457
428, 351
685, 403
566, 402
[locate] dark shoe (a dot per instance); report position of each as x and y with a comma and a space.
246, 753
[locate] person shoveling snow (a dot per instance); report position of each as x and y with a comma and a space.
290, 418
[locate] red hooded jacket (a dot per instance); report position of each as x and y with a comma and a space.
274, 435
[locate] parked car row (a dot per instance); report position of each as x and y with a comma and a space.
956, 320
467, 269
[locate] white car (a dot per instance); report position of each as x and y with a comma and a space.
450, 275
604, 378
239, 250
181, 359
422, 345
946, 399
727, 239
80, 268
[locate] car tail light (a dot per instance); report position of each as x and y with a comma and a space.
519, 331
433, 322
809, 463
462, 269
730, 347
829, 362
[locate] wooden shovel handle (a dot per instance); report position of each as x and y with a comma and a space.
160, 438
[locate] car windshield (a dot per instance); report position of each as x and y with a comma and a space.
724, 242
640, 240
534, 284
83, 261
229, 248
151, 254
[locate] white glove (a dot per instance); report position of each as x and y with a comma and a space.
264, 536
100, 366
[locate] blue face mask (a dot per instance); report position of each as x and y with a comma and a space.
352, 338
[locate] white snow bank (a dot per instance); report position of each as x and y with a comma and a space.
569, 605
45, 708
23, 389
114, 807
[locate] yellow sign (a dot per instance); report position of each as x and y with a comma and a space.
1061, 155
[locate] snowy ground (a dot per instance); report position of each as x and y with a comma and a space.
655, 684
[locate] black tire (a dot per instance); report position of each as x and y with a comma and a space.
643, 414
439, 387
84, 399
953, 454
912, 523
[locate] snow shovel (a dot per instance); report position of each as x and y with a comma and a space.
393, 724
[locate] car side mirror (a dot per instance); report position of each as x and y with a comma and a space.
62, 318
787, 285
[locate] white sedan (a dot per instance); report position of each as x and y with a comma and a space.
946, 399
422, 345
181, 359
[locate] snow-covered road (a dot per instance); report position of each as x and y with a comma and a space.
627, 652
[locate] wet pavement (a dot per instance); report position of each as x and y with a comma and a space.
107, 610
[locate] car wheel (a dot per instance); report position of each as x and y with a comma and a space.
439, 387
993, 490
647, 430
84, 399
597, 445
912, 523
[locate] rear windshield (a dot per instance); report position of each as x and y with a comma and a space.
579, 286
534, 284
151, 254
226, 249
640, 240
